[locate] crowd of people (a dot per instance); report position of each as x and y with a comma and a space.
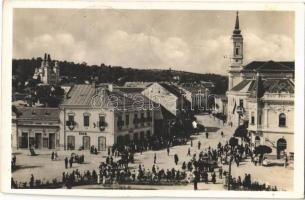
205, 166
247, 184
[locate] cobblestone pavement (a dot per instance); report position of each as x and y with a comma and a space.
43, 168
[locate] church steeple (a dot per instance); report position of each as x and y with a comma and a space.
236, 30
237, 38
237, 55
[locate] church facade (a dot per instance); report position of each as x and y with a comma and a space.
261, 94
48, 72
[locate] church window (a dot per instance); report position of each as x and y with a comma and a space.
252, 118
236, 51
282, 120
241, 103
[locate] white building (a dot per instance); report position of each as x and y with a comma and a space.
168, 96
48, 73
95, 116
261, 93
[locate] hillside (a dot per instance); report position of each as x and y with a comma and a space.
23, 70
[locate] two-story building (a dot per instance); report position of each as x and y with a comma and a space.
99, 116
271, 113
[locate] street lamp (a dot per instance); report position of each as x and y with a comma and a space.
229, 176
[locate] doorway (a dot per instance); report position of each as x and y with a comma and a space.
38, 143
71, 142
86, 142
101, 143
52, 141
281, 145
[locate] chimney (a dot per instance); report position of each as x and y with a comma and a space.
49, 57
45, 56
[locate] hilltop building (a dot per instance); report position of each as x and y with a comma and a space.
48, 72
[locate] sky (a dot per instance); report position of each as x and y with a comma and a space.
195, 41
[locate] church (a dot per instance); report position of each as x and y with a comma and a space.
261, 95
48, 73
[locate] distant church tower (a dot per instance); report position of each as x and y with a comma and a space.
237, 56
48, 71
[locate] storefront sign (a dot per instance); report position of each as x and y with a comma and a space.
82, 133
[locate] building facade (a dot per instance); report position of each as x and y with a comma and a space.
168, 96
99, 117
261, 93
37, 128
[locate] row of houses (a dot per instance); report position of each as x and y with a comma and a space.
101, 116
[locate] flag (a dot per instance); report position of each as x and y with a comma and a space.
234, 107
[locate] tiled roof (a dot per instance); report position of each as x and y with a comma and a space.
79, 95
34, 113
272, 86
172, 89
129, 90
195, 89
269, 66
243, 86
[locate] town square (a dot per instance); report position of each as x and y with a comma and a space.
224, 123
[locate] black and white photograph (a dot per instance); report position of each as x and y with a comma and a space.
153, 99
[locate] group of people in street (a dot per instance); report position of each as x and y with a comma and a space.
203, 167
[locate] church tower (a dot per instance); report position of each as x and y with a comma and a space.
237, 56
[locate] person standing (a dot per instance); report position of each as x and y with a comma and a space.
213, 178
71, 162
66, 162
220, 172
207, 135
176, 159
191, 143
155, 158
195, 180
168, 150
189, 152
221, 134
199, 145
32, 181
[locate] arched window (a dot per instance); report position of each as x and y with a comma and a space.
236, 51
282, 120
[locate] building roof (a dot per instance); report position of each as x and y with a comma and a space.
273, 86
243, 86
129, 90
269, 66
40, 114
172, 89
195, 89
260, 86
79, 95
85, 95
